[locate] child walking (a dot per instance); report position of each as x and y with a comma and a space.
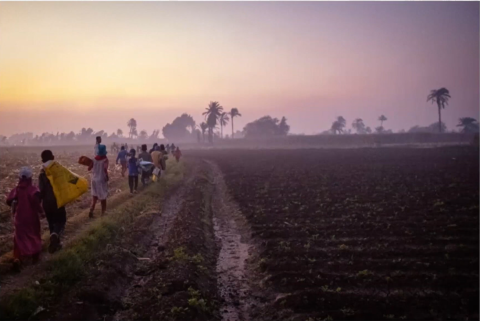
25, 202
99, 170
133, 172
56, 217
122, 157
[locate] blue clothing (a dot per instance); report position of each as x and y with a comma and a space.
133, 166
102, 150
122, 156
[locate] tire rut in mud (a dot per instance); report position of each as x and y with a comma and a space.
232, 234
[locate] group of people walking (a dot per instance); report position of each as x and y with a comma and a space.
30, 203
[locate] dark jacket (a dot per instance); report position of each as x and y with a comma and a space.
49, 201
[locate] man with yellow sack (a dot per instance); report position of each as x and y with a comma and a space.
58, 186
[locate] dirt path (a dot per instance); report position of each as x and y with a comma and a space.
157, 237
231, 233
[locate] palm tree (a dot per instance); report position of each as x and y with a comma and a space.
234, 113
132, 123
203, 127
223, 122
212, 114
439, 96
469, 125
382, 119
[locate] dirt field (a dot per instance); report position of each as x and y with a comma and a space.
361, 234
375, 233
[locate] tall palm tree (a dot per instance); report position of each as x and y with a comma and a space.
469, 124
203, 127
212, 114
382, 119
439, 96
234, 113
132, 123
223, 122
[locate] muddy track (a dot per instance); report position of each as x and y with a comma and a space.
232, 234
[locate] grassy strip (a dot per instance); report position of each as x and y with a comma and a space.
69, 266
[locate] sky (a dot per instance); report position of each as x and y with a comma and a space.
68, 65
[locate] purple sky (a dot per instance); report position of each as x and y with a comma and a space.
68, 65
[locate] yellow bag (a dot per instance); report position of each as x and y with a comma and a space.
67, 186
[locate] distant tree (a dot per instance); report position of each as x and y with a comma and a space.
223, 120
212, 115
379, 129
234, 113
177, 130
143, 135
368, 130
132, 123
70, 136
119, 132
401, 131
382, 118
283, 127
134, 133
359, 126
154, 134
338, 125
439, 96
266, 126
432, 128
469, 124
203, 127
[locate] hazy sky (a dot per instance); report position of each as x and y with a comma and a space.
67, 65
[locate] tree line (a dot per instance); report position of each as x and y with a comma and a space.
184, 128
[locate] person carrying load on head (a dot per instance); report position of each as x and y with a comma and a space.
25, 202
122, 157
133, 172
158, 159
56, 217
147, 168
99, 184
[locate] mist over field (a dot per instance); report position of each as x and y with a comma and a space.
237, 161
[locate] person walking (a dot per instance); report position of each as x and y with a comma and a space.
56, 217
133, 172
99, 169
122, 157
178, 154
146, 170
98, 141
26, 209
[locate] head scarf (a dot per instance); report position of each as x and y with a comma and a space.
102, 150
25, 172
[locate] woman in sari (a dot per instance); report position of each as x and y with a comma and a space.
25, 202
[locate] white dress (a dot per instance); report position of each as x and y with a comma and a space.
99, 182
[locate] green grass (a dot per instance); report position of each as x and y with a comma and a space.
65, 269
